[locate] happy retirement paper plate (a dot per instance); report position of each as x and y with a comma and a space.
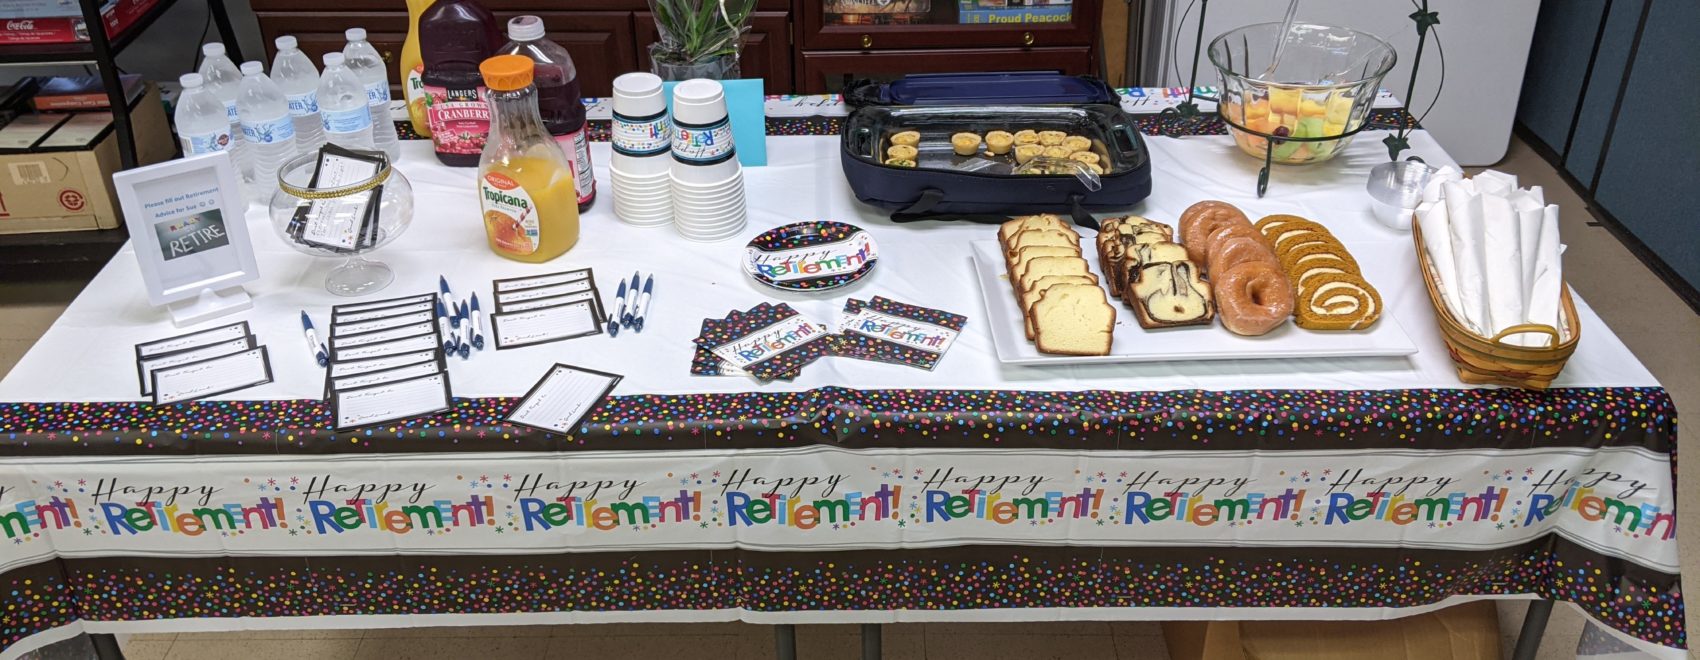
811, 256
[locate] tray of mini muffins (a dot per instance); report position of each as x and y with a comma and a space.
1212, 286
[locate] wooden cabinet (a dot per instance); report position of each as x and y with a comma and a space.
792, 44
767, 48
827, 71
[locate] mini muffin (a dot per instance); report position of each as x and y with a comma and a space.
911, 138
900, 162
1052, 138
1086, 157
1077, 143
1027, 152
1026, 137
999, 142
965, 144
902, 151
1056, 152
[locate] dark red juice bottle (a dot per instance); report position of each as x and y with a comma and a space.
454, 37
559, 100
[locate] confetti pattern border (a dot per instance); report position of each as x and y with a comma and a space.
843, 417
1645, 604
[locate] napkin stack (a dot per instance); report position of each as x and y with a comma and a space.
1495, 251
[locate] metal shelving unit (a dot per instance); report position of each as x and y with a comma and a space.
101, 52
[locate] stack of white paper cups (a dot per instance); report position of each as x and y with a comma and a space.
708, 183
643, 189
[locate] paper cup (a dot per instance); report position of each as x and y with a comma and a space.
709, 238
705, 175
707, 208
698, 101
640, 166
736, 218
690, 199
638, 94
736, 181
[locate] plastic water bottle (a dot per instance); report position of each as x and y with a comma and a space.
295, 74
267, 128
342, 106
224, 81
200, 118
369, 67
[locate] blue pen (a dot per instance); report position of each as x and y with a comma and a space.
619, 306
448, 299
477, 324
443, 329
313, 344
464, 335
631, 308
642, 303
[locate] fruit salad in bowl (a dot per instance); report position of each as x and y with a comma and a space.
1320, 84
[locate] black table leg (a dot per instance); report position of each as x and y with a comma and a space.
1534, 627
785, 641
106, 647
871, 641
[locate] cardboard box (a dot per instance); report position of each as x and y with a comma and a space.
1464, 632
117, 15
69, 190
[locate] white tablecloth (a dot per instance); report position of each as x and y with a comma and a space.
88, 353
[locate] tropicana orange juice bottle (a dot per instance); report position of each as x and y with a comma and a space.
412, 69
525, 183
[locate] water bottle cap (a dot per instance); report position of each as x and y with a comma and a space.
253, 68
188, 80
525, 28
333, 58
213, 49
286, 42
355, 34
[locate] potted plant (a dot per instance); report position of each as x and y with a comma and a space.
699, 38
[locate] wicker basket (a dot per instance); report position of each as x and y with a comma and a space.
1484, 360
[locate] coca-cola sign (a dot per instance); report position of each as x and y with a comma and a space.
25, 24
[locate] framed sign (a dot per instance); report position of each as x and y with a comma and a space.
188, 225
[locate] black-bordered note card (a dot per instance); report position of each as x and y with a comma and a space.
388, 402
558, 401
222, 333
148, 365
340, 316
352, 367
371, 378
350, 308
510, 297
381, 349
551, 301
541, 326
338, 223
387, 334
219, 375
340, 328
534, 281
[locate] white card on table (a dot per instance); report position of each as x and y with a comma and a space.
517, 283
551, 301
371, 378
223, 333
147, 366
381, 349
352, 308
340, 316
352, 367
343, 328
511, 297
561, 399
378, 336
198, 380
391, 401
537, 326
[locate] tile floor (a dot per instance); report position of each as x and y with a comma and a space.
1662, 331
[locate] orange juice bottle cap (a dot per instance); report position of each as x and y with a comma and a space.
506, 73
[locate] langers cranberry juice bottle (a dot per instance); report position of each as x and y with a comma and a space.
454, 37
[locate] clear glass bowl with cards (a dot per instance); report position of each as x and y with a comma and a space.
343, 203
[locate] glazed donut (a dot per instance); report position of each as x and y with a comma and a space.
1254, 297
1203, 219
1232, 250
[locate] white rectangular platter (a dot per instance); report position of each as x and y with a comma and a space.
1135, 344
